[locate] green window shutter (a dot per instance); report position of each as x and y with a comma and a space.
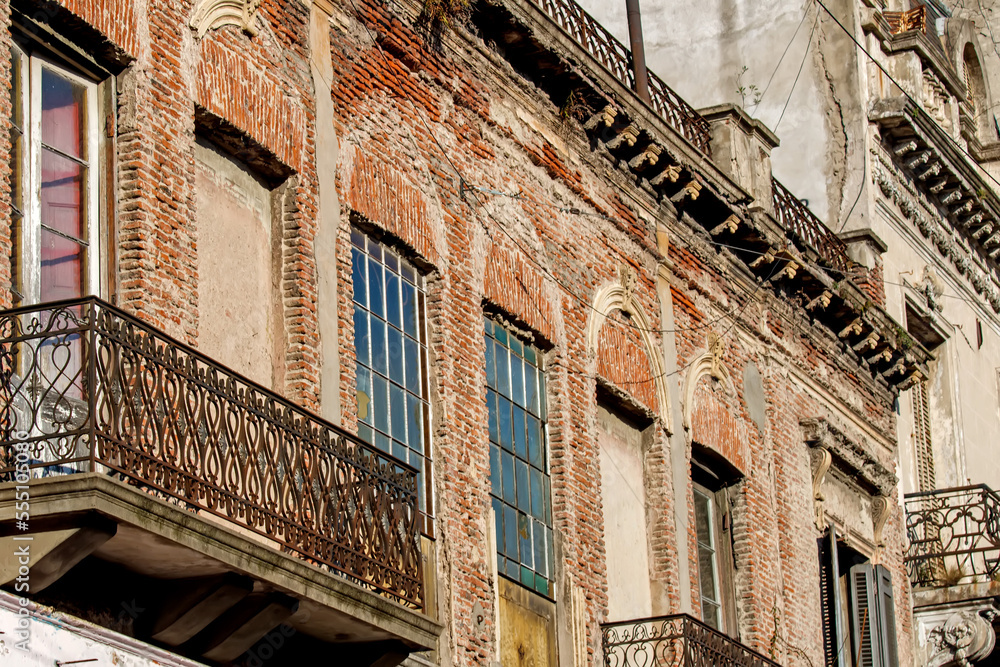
866, 631
832, 609
886, 617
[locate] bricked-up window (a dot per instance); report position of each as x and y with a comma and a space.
54, 180
391, 347
519, 478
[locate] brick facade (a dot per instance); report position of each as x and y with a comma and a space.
459, 162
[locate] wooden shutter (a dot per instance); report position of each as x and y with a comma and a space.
865, 630
832, 609
922, 436
886, 617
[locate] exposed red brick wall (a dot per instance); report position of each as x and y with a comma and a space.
715, 427
623, 360
516, 287
382, 195
115, 19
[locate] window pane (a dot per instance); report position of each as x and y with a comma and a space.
62, 268
380, 403
397, 412
535, 443
380, 358
494, 470
364, 395
361, 340
392, 310
411, 361
503, 372
414, 423
358, 277
517, 380
537, 499
376, 289
491, 409
491, 375
503, 406
510, 532
520, 442
531, 389
523, 484
62, 195
395, 354
409, 312
63, 114
507, 477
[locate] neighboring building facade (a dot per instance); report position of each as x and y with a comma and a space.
592, 385
893, 142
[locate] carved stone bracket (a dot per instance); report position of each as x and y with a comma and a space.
822, 460
958, 634
849, 457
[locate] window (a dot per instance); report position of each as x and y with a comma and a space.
391, 347
519, 477
921, 327
859, 625
54, 180
712, 521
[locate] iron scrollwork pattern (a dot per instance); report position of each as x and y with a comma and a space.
617, 60
796, 218
95, 389
674, 640
954, 536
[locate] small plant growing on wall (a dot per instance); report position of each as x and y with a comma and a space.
436, 16
747, 91
575, 107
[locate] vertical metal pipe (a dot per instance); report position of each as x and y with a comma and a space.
638, 51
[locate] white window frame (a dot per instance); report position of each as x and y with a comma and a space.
31, 177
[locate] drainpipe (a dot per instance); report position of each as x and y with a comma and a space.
638, 52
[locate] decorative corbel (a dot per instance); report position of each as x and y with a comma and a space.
869, 342
852, 328
992, 240
716, 349
932, 170
691, 189
605, 117
788, 271
822, 301
958, 635
647, 158
628, 136
985, 229
964, 207
973, 219
671, 173
821, 465
912, 379
732, 223
951, 197
922, 158
880, 514
994, 253
938, 186
885, 354
905, 147
766, 258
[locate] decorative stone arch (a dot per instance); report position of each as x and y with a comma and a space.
709, 363
213, 14
620, 296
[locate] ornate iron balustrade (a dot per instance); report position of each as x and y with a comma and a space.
954, 536
796, 218
674, 640
84, 387
617, 59
913, 19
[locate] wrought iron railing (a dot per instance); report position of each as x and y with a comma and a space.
796, 219
954, 536
617, 59
85, 387
674, 640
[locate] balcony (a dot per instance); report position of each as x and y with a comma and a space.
194, 472
799, 222
616, 58
674, 640
954, 537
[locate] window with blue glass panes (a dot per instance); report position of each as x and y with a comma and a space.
391, 348
519, 477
